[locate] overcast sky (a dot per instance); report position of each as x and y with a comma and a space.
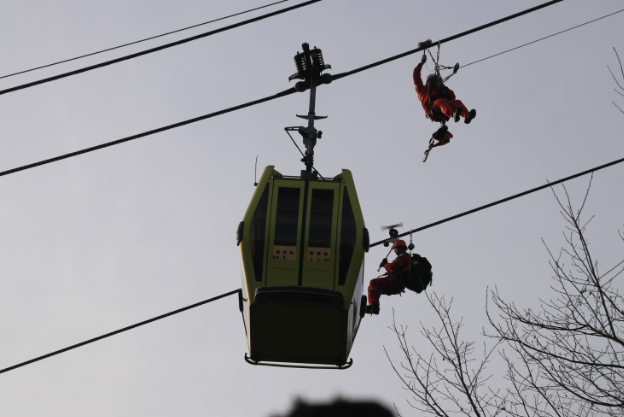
104, 240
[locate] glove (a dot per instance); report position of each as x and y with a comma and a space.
423, 59
384, 261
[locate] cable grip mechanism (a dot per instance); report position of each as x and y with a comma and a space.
310, 65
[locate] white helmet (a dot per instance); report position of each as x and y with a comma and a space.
430, 76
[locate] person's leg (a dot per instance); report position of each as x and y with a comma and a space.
448, 107
377, 287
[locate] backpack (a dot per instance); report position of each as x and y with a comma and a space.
420, 275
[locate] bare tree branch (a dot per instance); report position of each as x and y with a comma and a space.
572, 351
458, 384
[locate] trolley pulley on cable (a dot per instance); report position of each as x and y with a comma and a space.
302, 243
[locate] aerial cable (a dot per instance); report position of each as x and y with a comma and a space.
281, 94
445, 40
104, 336
495, 203
156, 49
541, 39
262, 100
141, 40
149, 132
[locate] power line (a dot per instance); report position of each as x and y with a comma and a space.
141, 40
550, 184
156, 49
104, 336
262, 100
541, 39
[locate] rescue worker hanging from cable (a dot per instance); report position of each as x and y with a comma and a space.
439, 103
391, 283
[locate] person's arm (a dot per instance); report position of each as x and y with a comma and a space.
417, 79
398, 264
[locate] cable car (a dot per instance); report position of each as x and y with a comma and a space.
302, 243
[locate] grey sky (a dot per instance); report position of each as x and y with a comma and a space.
107, 239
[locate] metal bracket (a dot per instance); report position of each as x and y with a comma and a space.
310, 65
282, 365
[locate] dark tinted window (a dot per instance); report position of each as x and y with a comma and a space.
287, 218
322, 210
257, 233
347, 238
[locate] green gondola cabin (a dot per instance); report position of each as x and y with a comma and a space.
302, 244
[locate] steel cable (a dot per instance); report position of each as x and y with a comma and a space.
113, 333
156, 49
262, 100
495, 203
141, 40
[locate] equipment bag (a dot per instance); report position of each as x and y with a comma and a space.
420, 275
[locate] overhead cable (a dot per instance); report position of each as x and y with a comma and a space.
541, 39
156, 49
495, 203
125, 329
445, 40
141, 40
252, 103
149, 132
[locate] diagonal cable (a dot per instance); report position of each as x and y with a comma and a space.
113, 333
495, 203
156, 49
262, 100
445, 40
140, 40
544, 38
148, 133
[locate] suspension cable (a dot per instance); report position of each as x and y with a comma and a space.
449, 39
141, 40
104, 336
262, 100
495, 203
541, 39
148, 133
158, 48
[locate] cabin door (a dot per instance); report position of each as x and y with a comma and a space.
319, 259
284, 251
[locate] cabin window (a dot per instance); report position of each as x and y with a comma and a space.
286, 224
257, 232
320, 232
347, 238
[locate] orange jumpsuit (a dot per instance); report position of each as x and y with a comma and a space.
388, 285
439, 105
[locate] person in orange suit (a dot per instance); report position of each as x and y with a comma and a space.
438, 100
388, 284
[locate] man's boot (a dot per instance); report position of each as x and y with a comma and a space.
372, 309
471, 115
457, 114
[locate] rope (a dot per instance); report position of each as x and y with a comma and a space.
104, 336
139, 41
156, 49
457, 216
262, 100
541, 39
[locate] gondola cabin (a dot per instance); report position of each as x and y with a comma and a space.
302, 243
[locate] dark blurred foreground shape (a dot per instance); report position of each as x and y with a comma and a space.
339, 408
